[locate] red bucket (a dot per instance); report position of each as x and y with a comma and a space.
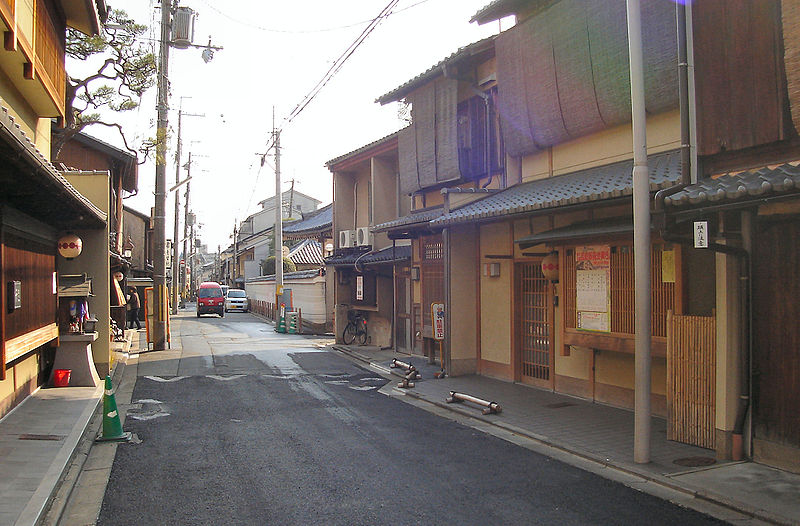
61, 377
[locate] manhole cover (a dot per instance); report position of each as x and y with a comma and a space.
559, 405
694, 462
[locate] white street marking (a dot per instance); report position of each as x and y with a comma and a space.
165, 380
147, 417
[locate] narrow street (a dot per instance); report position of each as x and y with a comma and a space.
246, 426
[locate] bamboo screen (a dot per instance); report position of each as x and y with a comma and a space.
622, 291
691, 372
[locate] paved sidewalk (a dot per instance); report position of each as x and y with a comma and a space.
604, 436
38, 439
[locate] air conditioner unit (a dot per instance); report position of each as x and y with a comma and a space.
363, 236
347, 238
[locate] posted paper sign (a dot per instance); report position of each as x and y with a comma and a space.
593, 287
437, 317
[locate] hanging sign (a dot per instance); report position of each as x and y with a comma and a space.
593, 296
437, 318
701, 234
360, 288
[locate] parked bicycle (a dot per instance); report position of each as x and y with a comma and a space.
356, 328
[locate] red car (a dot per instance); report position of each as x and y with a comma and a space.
210, 299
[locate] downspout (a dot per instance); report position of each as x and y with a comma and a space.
685, 105
448, 304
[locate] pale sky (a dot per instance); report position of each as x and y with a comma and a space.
274, 53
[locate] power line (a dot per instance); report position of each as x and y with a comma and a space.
332, 71
300, 31
339, 62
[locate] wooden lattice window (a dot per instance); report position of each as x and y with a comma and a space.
432, 270
622, 291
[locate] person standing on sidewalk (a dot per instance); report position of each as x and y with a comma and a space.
133, 303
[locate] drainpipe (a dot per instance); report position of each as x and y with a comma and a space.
686, 104
448, 304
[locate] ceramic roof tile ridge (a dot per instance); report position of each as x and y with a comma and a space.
362, 149
770, 180
408, 86
613, 180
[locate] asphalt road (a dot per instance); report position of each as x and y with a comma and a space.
253, 427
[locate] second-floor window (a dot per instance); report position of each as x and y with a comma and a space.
480, 149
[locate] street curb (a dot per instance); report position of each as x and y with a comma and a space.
53, 511
698, 493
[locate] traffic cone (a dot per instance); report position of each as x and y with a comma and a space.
292, 329
281, 327
112, 428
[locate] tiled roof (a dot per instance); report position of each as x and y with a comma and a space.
363, 258
495, 10
307, 252
416, 217
362, 149
593, 184
436, 70
300, 274
740, 187
51, 181
313, 223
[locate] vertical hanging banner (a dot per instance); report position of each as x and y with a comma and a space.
360, 288
593, 287
437, 318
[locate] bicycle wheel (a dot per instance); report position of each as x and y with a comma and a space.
362, 336
349, 334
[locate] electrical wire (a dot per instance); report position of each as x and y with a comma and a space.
332, 71
339, 62
300, 31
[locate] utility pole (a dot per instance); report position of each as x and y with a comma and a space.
278, 218
175, 262
235, 254
159, 219
186, 223
291, 200
641, 241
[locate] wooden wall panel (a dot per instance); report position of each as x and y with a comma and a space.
776, 333
33, 264
739, 74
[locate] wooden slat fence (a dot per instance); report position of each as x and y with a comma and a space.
691, 371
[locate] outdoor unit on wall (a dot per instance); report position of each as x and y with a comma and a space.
363, 236
347, 238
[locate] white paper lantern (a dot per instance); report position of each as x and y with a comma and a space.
70, 246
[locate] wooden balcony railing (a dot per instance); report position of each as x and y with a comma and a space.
49, 49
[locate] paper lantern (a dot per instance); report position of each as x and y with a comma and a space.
70, 246
550, 266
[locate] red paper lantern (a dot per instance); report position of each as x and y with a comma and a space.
550, 266
70, 246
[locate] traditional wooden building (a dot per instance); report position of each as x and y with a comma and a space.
746, 193
363, 267
37, 203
